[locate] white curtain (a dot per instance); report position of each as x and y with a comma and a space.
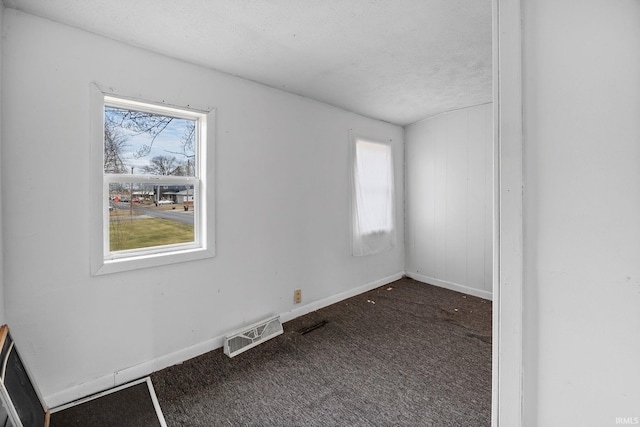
374, 228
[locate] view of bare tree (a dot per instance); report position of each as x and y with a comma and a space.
140, 122
164, 165
114, 144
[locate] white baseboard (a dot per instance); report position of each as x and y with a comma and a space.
317, 305
146, 368
452, 286
79, 391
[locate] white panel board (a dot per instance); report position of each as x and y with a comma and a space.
449, 210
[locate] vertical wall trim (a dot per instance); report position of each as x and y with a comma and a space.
3, 310
508, 219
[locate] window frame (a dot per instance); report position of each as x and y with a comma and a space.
103, 261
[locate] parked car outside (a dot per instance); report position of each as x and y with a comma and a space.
166, 202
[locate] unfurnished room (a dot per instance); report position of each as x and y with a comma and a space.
319, 213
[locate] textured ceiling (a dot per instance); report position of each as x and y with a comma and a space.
394, 60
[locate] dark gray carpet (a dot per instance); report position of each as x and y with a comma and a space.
405, 354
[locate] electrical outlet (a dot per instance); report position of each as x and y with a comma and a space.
297, 296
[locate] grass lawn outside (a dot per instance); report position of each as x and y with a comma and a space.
143, 233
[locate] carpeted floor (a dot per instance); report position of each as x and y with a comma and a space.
405, 354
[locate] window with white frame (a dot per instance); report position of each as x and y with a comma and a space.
154, 194
373, 197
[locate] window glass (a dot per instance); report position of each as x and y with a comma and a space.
139, 219
373, 197
151, 177
146, 143
374, 186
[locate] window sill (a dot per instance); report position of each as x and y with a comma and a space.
153, 260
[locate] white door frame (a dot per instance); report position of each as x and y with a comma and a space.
507, 393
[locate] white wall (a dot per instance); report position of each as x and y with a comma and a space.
449, 200
582, 212
282, 213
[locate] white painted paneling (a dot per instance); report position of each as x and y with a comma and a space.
581, 297
439, 229
456, 192
428, 207
449, 200
282, 211
489, 187
477, 198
